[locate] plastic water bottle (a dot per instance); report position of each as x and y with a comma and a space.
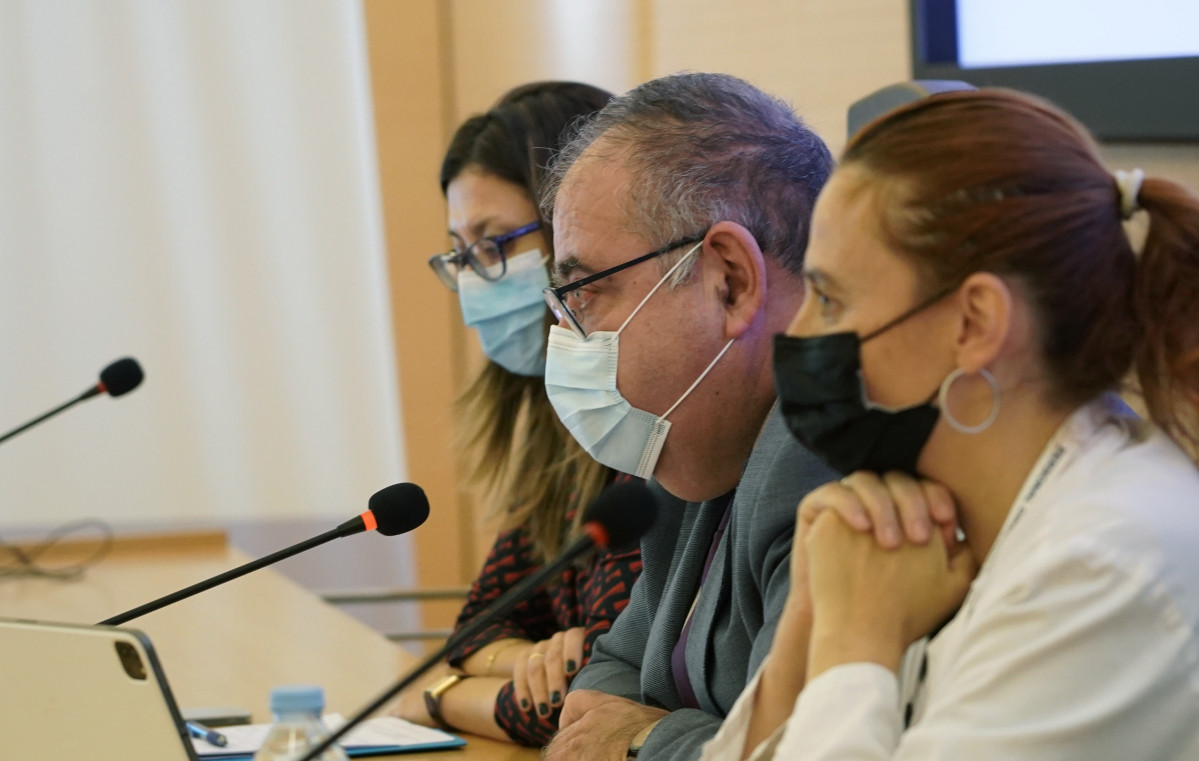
298, 726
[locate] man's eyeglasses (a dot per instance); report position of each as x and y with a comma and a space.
485, 256
566, 301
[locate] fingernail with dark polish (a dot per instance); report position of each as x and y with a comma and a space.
556, 698
570, 666
524, 704
543, 709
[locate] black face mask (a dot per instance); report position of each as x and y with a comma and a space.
823, 401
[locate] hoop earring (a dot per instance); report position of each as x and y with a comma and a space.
943, 401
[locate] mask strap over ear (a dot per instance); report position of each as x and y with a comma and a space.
654, 290
914, 310
702, 375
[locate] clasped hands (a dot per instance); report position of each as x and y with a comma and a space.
875, 566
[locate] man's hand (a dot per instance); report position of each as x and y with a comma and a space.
596, 726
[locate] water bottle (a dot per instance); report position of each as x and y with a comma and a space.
298, 726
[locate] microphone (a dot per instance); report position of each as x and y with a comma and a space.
118, 379
395, 510
617, 518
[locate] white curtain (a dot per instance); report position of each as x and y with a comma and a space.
193, 183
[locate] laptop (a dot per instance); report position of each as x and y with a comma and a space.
71, 691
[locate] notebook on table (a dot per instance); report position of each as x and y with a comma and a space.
383, 735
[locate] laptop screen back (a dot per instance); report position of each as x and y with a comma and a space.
85, 692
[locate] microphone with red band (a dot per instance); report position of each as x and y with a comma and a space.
617, 518
118, 379
395, 510
369, 522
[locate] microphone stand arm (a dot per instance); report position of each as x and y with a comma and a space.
253, 565
507, 602
85, 395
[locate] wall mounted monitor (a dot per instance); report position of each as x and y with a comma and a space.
1129, 71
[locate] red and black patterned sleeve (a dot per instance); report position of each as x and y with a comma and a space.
510, 560
592, 599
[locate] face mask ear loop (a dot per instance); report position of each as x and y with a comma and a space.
702, 375
911, 312
654, 290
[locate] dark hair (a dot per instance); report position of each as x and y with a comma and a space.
512, 440
705, 148
1002, 182
515, 139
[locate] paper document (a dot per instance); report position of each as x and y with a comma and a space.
383, 734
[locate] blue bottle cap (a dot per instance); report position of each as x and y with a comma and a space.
296, 698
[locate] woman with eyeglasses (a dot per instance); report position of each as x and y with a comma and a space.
509, 682
974, 301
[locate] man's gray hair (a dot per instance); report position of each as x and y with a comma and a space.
706, 148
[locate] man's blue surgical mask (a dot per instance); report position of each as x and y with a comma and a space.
509, 313
580, 380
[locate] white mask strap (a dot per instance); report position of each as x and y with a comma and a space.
653, 290
702, 375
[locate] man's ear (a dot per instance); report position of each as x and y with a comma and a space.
736, 268
985, 301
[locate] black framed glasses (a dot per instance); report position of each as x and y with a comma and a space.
485, 257
565, 301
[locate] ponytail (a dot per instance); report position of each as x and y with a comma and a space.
1166, 301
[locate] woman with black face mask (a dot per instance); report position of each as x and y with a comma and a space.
1010, 567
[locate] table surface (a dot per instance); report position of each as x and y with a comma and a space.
230, 645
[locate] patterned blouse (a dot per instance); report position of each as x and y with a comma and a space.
590, 597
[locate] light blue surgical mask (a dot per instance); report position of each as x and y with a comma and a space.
509, 313
580, 381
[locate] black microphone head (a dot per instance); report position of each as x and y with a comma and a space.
624, 511
121, 376
399, 508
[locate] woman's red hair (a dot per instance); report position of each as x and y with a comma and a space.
999, 181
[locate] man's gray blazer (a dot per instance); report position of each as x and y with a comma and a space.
737, 611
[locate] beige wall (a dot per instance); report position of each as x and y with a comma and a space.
462, 54
412, 120
820, 54
497, 45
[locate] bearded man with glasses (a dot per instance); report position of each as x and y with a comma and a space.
660, 366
